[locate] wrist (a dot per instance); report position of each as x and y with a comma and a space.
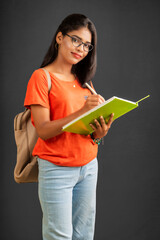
95, 139
82, 110
94, 136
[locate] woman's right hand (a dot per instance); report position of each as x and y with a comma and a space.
92, 101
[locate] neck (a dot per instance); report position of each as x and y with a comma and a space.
62, 68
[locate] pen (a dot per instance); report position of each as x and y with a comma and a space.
89, 87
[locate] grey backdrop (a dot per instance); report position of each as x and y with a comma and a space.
128, 194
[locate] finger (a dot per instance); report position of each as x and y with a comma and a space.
91, 102
92, 126
96, 98
110, 120
97, 123
103, 124
102, 99
93, 99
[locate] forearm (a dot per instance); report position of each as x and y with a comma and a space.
49, 129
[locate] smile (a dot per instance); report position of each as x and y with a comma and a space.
76, 55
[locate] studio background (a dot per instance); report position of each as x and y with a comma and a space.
128, 193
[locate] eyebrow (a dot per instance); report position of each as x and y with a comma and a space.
80, 38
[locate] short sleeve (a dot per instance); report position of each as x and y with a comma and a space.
37, 90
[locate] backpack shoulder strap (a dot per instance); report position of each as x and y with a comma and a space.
48, 78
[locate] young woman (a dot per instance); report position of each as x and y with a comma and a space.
67, 161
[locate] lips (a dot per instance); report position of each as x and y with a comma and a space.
76, 55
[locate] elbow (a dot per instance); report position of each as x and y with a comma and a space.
45, 132
42, 135
42, 132
45, 135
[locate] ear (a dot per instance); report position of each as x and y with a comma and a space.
59, 37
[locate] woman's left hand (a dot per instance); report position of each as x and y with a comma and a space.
101, 129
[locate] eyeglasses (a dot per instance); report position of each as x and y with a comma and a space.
77, 43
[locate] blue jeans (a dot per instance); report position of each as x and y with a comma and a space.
68, 200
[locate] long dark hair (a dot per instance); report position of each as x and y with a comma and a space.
85, 69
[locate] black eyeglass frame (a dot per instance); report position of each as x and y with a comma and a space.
90, 45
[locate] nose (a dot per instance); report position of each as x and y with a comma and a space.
80, 48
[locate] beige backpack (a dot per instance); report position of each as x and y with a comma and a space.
26, 169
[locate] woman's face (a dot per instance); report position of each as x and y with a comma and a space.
67, 51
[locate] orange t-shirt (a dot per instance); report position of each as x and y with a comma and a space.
64, 98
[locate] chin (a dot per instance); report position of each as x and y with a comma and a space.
74, 61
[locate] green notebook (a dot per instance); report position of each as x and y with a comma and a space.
116, 105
